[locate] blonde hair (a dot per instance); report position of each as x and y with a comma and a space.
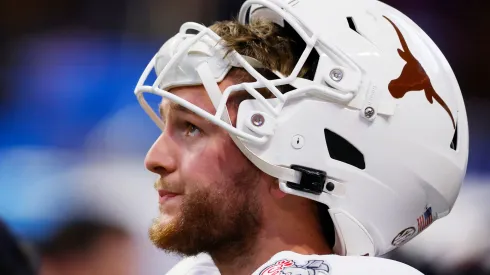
260, 40
277, 48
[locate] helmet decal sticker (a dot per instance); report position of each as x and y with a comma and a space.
413, 77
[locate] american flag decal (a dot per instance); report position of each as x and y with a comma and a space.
425, 220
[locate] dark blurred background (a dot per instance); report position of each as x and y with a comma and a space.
73, 137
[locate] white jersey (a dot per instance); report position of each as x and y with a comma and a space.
290, 263
201, 264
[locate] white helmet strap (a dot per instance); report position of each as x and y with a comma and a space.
281, 173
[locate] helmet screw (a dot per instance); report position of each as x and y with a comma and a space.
336, 75
369, 112
258, 120
330, 186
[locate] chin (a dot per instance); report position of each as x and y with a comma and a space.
166, 218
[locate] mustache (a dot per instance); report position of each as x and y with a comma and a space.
165, 185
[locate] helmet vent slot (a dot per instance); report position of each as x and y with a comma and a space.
342, 150
352, 25
454, 141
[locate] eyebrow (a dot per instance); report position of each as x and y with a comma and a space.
174, 107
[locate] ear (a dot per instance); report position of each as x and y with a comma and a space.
275, 191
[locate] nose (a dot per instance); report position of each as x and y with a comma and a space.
161, 158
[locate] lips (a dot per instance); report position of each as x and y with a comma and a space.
165, 195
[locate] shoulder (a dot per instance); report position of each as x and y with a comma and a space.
287, 262
201, 264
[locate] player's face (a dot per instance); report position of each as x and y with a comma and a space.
208, 190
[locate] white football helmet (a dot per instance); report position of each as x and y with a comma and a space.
379, 135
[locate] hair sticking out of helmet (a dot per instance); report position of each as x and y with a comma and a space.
276, 48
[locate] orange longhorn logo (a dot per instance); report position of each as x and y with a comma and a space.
413, 77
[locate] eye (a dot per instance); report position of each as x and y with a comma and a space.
192, 130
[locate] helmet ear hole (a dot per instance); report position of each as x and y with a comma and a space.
326, 223
342, 150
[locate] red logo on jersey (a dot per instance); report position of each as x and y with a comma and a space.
276, 268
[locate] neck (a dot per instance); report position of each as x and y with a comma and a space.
298, 236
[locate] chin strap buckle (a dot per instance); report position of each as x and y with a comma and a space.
312, 180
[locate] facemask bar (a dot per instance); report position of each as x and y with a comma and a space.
282, 173
289, 15
237, 60
154, 89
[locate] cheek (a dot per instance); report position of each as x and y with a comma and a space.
231, 159
213, 162
200, 165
